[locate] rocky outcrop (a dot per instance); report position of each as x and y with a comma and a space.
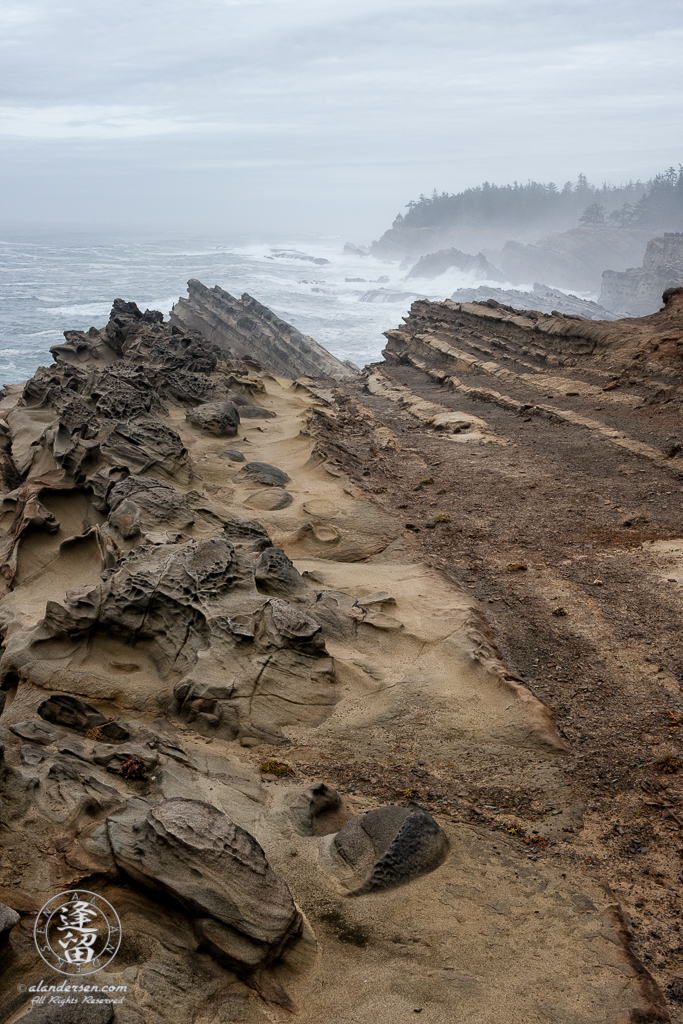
195, 854
438, 263
218, 665
638, 291
250, 330
574, 259
388, 847
542, 298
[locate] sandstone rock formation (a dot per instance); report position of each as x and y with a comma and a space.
220, 663
638, 291
245, 328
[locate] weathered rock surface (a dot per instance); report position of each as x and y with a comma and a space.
8, 919
262, 473
206, 714
193, 852
245, 327
219, 418
638, 291
389, 847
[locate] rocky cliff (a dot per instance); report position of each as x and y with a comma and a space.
253, 703
245, 327
638, 291
574, 259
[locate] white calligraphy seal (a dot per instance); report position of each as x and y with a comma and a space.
77, 932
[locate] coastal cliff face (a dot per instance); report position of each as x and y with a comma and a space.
261, 672
574, 259
246, 327
638, 290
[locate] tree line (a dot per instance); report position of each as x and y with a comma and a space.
656, 204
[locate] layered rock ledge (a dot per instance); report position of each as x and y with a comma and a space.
250, 330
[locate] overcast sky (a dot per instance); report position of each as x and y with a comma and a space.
273, 115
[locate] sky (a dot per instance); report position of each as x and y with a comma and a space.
324, 117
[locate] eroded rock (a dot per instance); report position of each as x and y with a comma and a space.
262, 473
389, 847
219, 418
193, 852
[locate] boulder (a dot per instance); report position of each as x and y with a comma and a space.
390, 846
274, 573
70, 712
219, 418
262, 473
195, 854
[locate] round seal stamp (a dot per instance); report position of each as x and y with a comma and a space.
77, 932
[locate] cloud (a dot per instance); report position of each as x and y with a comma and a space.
409, 95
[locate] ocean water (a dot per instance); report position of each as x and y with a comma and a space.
55, 284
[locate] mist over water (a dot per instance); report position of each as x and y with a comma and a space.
56, 285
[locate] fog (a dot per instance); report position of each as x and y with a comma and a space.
267, 117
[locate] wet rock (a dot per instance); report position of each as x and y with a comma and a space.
193, 852
262, 473
438, 263
390, 846
219, 418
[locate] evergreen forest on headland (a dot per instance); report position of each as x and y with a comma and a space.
656, 204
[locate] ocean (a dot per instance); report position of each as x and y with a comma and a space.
55, 284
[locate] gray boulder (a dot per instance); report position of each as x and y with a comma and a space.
219, 418
194, 853
73, 713
263, 473
390, 846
